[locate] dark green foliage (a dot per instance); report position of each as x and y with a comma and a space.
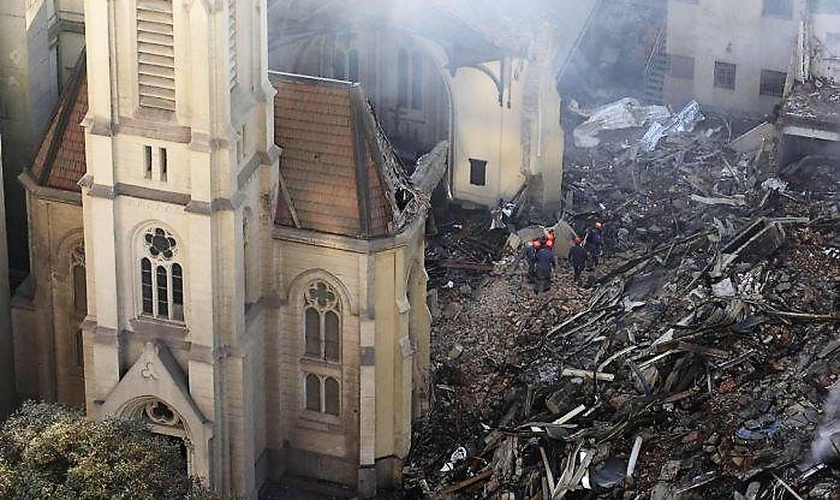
50, 452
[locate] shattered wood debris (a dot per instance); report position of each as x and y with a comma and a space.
695, 365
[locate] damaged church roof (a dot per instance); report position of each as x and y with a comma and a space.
59, 161
338, 173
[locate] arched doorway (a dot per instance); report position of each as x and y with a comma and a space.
165, 421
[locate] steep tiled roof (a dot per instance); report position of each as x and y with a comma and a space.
331, 163
60, 159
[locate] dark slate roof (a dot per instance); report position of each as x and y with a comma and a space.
59, 161
332, 162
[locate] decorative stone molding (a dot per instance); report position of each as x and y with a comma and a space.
156, 378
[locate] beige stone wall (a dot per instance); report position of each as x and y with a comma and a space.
732, 32
297, 266
47, 325
384, 346
515, 141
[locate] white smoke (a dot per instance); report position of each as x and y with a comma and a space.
826, 445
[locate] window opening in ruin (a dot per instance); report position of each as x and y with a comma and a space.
478, 172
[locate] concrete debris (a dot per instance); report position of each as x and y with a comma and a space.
695, 360
754, 139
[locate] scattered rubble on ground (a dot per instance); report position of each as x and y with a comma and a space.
695, 364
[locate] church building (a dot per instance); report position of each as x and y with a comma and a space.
233, 255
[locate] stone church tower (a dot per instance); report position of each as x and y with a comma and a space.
233, 255
179, 154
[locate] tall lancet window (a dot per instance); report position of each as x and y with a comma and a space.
321, 349
161, 276
79, 282
156, 54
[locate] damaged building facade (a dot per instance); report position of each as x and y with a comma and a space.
194, 274
809, 117
737, 57
730, 56
438, 72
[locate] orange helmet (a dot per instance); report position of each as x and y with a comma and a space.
598, 225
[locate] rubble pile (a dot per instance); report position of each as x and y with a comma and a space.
463, 248
696, 366
816, 100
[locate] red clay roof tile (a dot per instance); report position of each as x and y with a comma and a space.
318, 123
60, 160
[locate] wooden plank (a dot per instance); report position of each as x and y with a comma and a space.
463, 264
469, 482
575, 372
695, 348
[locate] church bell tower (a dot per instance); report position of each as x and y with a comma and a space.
181, 176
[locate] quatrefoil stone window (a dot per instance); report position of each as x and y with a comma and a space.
160, 244
160, 413
321, 294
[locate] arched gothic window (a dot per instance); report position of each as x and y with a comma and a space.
402, 78
410, 79
322, 323
322, 394
161, 277
321, 369
416, 80
77, 263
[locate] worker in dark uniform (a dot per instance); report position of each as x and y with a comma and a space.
594, 243
578, 257
545, 266
531, 248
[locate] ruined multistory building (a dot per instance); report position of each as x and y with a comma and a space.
737, 57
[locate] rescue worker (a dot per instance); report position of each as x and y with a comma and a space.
594, 243
545, 266
578, 257
531, 248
